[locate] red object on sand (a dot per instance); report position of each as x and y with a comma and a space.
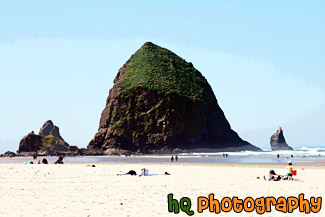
294, 172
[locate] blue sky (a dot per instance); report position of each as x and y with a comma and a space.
265, 61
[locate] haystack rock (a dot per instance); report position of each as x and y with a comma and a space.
278, 141
161, 104
48, 142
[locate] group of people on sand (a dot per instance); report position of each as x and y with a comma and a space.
273, 176
44, 161
172, 158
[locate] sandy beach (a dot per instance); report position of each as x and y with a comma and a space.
76, 189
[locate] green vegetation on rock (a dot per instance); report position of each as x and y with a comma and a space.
118, 123
157, 68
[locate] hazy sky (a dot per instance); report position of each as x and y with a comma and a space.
265, 61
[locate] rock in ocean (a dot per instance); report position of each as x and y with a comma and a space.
49, 128
278, 141
48, 142
161, 104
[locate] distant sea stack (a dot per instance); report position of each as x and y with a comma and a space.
48, 142
161, 104
278, 141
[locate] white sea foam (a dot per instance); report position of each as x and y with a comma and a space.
298, 152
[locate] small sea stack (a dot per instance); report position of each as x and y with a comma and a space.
48, 142
278, 141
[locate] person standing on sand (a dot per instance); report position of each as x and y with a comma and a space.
176, 158
172, 159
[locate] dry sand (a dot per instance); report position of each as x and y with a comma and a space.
78, 190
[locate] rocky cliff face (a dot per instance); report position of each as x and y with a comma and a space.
161, 104
48, 129
278, 142
48, 142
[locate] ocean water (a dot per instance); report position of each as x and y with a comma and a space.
303, 155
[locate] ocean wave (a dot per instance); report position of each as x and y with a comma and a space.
298, 152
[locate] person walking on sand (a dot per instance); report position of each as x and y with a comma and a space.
176, 158
172, 159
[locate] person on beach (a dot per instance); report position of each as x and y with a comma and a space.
176, 158
44, 161
172, 159
132, 173
272, 176
289, 169
59, 161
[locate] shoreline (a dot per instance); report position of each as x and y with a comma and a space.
189, 159
317, 164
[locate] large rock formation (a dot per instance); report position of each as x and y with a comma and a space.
48, 142
278, 141
161, 104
